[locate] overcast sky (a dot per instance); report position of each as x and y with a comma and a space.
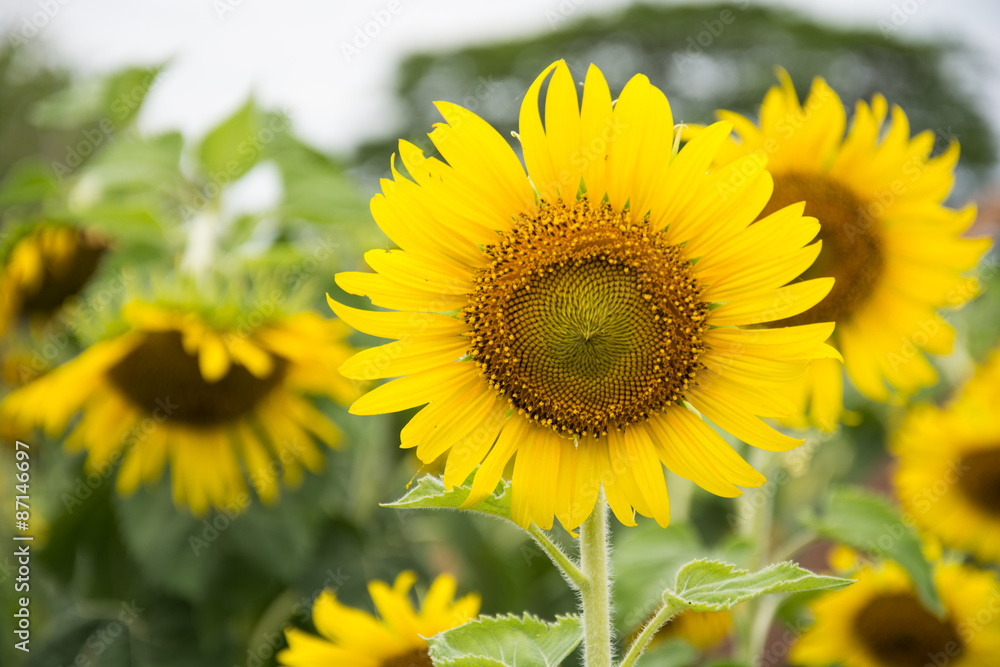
292, 52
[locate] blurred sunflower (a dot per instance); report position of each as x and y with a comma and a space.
176, 388
879, 622
353, 638
701, 629
948, 475
897, 254
43, 269
563, 318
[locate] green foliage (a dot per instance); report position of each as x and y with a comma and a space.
430, 493
705, 585
24, 82
507, 640
232, 147
869, 523
109, 103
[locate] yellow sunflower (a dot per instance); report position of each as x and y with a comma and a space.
948, 475
879, 622
701, 629
43, 269
563, 318
897, 254
176, 388
354, 638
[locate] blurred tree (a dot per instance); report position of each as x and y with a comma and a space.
704, 58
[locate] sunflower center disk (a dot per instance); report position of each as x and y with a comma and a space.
899, 632
584, 320
980, 479
160, 377
852, 251
64, 278
420, 657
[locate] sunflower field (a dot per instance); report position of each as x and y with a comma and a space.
658, 335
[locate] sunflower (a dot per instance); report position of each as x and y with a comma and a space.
43, 269
353, 638
897, 254
879, 621
701, 629
563, 321
174, 387
948, 475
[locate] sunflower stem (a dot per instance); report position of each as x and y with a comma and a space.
757, 527
660, 618
563, 562
595, 593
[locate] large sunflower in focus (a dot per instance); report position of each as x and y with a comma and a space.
218, 404
897, 254
353, 638
43, 269
578, 322
880, 622
948, 475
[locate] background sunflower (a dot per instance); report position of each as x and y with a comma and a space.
948, 472
880, 622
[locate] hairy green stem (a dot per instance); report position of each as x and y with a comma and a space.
569, 569
663, 614
595, 593
757, 527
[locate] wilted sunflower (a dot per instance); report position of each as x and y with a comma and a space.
563, 318
948, 477
880, 622
176, 388
43, 269
354, 638
897, 254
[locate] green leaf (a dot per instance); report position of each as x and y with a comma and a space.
127, 90
705, 585
174, 550
507, 640
646, 559
870, 523
28, 182
276, 538
233, 147
469, 662
429, 493
106, 104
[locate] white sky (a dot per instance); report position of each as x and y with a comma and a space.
289, 52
